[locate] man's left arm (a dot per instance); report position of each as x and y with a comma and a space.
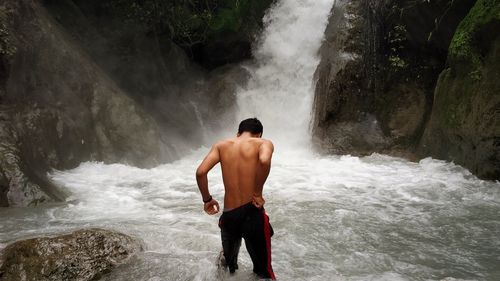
211, 205
264, 167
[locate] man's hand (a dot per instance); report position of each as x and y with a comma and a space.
211, 207
258, 201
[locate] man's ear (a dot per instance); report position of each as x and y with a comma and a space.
238, 134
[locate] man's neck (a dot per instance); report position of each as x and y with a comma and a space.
248, 135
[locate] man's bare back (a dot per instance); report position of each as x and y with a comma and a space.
245, 162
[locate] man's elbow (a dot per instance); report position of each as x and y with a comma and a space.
200, 173
265, 161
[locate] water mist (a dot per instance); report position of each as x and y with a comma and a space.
280, 89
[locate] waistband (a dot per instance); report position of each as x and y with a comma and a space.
242, 207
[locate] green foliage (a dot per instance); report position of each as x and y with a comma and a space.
189, 22
462, 46
397, 40
397, 62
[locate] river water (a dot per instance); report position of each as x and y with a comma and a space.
335, 217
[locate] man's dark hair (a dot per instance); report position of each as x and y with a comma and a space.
251, 125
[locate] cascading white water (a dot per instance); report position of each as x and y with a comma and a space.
279, 92
335, 217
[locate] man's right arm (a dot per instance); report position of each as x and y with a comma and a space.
264, 167
211, 205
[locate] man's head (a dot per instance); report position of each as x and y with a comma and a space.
251, 125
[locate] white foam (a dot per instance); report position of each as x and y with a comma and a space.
341, 215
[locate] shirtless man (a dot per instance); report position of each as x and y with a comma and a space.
245, 162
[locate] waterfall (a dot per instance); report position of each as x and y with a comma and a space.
280, 89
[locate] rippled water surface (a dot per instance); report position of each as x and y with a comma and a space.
335, 218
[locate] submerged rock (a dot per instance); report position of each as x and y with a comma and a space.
82, 255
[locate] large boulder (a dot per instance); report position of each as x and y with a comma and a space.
58, 108
342, 122
82, 255
220, 99
465, 123
148, 67
379, 65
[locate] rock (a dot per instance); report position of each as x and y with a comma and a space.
465, 123
381, 59
82, 255
342, 94
61, 109
220, 91
150, 69
15, 187
360, 137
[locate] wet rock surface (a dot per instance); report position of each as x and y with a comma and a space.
465, 123
381, 59
58, 109
82, 255
220, 95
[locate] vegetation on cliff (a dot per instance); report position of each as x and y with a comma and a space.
468, 44
397, 50
471, 44
212, 32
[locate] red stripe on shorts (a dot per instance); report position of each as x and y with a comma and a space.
267, 234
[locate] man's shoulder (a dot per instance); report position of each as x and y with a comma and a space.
230, 141
265, 141
267, 144
224, 142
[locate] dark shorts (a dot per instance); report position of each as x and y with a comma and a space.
252, 224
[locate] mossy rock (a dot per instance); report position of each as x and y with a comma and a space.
474, 34
82, 255
464, 126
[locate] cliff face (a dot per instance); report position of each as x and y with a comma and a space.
58, 109
377, 82
379, 66
465, 123
151, 70
343, 121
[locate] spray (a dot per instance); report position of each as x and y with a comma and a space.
280, 89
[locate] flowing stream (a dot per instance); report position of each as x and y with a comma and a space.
335, 217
